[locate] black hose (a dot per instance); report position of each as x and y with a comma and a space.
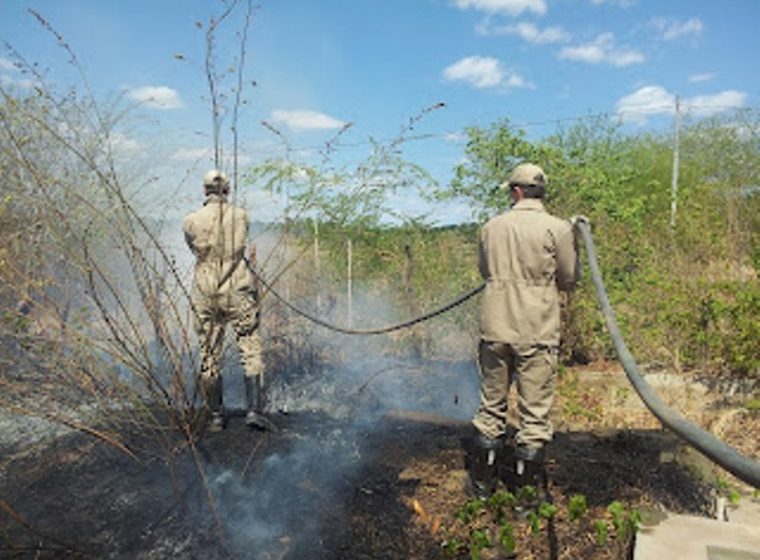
727, 457
379, 330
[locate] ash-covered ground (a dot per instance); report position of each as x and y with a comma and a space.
239, 493
351, 473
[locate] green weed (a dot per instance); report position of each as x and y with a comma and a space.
577, 507
600, 525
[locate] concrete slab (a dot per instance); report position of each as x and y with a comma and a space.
682, 537
720, 553
747, 512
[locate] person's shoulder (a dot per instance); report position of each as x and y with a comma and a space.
495, 221
501, 217
557, 224
190, 218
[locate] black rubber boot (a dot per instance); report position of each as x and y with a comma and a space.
530, 471
484, 466
213, 395
254, 401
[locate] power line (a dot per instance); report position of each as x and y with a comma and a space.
642, 111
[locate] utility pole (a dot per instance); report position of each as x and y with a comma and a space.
350, 287
317, 268
676, 157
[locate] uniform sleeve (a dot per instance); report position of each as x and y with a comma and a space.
568, 258
482, 262
247, 221
189, 233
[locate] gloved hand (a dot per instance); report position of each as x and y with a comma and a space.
579, 218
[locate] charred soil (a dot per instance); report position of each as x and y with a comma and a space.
318, 488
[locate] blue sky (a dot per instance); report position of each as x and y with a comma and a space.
321, 64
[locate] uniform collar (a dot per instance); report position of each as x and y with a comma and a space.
214, 198
529, 204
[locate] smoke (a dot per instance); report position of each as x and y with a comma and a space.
288, 504
330, 394
280, 508
334, 415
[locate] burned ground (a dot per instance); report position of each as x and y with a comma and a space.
381, 484
275, 499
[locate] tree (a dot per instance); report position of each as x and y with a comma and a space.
490, 154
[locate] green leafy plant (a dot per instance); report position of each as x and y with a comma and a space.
734, 497
577, 507
453, 546
535, 522
500, 500
725, 489
494, 523
619, 519
507, 537
547, 510
479, 540
527, 494
602, 531
721, 484
470, 510
499, 503
635, 519
753, 406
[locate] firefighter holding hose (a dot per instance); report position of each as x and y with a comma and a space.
526, 257
224, 291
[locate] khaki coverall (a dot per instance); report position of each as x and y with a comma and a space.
526, 256
223, 288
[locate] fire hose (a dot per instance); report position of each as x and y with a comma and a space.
379, 330
727, 457
719, 452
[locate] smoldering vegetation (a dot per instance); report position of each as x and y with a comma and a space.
103, 443
240, 494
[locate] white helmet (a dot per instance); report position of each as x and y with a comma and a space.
216, 179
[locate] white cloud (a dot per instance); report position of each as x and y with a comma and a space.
507, 7
158, 97
516, 81
6, 64
205, 155
456, 136
602, 50
484, 72
242, 160
656, 100
9, 81
618, 3
670, 29
122, 143
303, 119
528, 32
625, 57
191, 154
706, 77
12, 81
704, 105
648, 100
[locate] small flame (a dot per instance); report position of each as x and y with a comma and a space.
419, 510
433, 523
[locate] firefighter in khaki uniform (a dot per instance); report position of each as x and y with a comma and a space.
224, 292
526, 257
